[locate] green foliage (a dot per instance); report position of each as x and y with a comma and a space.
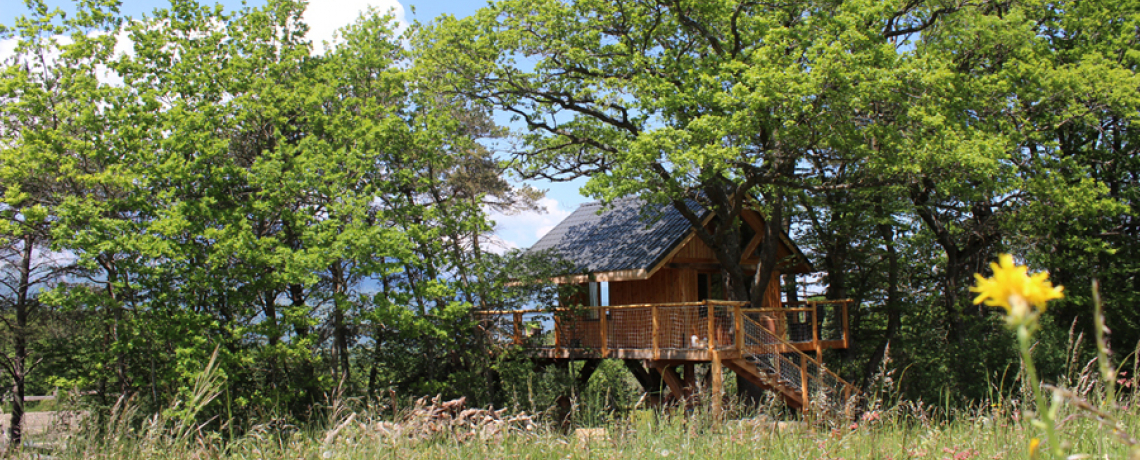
319, 219
237, 192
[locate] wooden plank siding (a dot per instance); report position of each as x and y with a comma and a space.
695, 250
667, 285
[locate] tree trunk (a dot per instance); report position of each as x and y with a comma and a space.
305, 373
340, 329
769, 250
273, 336
894, 310
18, 363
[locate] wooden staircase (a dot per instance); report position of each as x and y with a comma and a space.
773, 364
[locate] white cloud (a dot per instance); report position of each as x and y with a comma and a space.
542, 231
324, 18
105, 75
524, 229
7, 47
496, 245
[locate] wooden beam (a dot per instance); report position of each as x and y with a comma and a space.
673, 381
757, 225
748, 371
587, 371
815, 327
712, 325
704, 266
656, 334
846, 332
518, 329
650, 381
605, 332
804, 382
738, 315
717, 385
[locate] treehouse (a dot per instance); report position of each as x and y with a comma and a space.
651, 293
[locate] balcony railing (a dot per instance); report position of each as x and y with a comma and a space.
687, 330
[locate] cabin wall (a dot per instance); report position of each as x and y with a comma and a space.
665, 286
695, 250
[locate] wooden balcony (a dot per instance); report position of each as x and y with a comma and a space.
672, 331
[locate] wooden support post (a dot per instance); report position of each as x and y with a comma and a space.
605, 331
717, 384
673, 382
656, 334
518, 329
846, 333
690, 375
650, 379
814, 325
557, 333
738, 315
712, 327
804, 382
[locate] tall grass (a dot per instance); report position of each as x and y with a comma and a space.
890, 428
1089, 421
906, 430
1093, 416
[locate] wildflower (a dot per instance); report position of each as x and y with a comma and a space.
1033, 443
1012, 288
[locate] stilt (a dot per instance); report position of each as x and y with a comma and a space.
717, 384
673, 381
586, 372
650, 380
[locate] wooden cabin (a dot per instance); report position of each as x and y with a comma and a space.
652, 294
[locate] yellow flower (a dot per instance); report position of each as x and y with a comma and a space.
1013, 289
1033, 444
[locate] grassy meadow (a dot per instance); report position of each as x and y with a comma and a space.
907, 430
1092, 415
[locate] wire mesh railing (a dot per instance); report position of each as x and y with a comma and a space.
683, 326
806, 322
785, 365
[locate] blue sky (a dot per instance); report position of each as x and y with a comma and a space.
323, 17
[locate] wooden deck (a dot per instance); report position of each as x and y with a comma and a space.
766, 346
670, 331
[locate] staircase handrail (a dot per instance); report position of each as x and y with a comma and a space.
807, 358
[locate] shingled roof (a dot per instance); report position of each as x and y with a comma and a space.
630, 236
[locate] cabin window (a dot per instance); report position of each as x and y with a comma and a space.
598, 296
710, 286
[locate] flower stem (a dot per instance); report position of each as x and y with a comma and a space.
1044, 413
